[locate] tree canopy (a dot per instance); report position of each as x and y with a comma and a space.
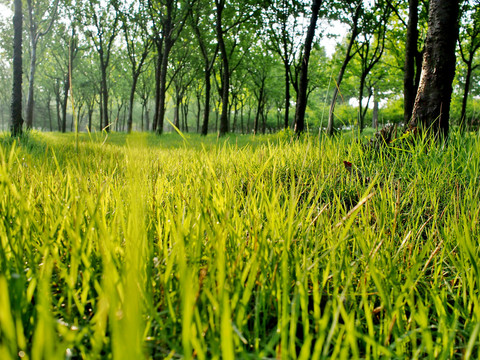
228, 65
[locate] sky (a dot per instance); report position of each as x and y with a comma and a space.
5, 11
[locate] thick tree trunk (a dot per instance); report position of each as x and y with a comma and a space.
302, 88
431, 111
16, 120
411, 51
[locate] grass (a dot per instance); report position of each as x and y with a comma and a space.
139, 246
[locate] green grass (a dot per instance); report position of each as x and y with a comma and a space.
140, 246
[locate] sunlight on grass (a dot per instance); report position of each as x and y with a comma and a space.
139, 246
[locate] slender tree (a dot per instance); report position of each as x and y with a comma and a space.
138, 43
169, 18
16, 121
231, 26
282, 30
41, 20
105, 22
349, 54
431, 111
199, 16
303, 84
371, 48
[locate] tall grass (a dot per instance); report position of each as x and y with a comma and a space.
145, 247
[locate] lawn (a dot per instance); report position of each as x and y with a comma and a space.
139, 246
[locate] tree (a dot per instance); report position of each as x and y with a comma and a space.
303, 84
353, 8
371, 44
16, 121
231, 19
105, 24
431, 111
41, 17
169, 18
282, 31
138, 44
200, 15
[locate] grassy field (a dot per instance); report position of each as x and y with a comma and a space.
139, 246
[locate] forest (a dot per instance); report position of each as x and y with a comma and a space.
256, 179
222, 66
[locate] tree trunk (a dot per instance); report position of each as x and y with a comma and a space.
163, 88
16, 121
100, 110
466, 90
130, 105
58, 105
90, 115
176, 110
302, 88
49, 110
66, 87
375, 109
348, 57
360, 120
31, 80
225, 70
431, 111
411, 51
198, 112
157, 86
206, 110
104, 94
287, 94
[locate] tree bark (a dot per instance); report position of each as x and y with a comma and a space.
220, 4
302, 88
104, 94
431, 111
411, 51
206, 110
16, 121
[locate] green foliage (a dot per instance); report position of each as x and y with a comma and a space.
249, 247
392, 112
